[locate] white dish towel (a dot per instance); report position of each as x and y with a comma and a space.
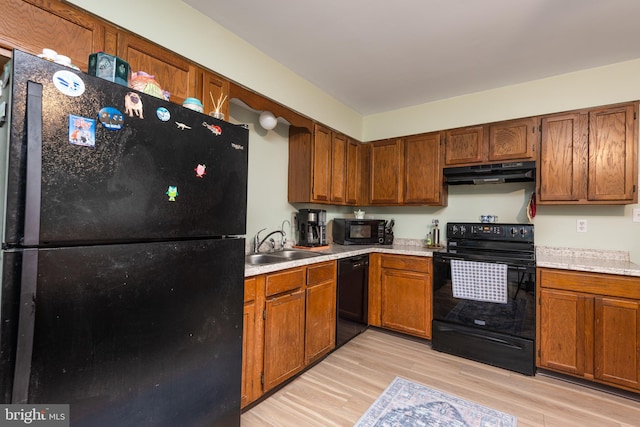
479, 281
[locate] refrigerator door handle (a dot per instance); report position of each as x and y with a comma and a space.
26, 326
34, 165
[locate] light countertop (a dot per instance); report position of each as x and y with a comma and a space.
594, 261
407, 247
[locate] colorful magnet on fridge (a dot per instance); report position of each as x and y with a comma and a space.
182, 126
111, 118
82, 131
133, 105
216, 130
200, 171
163, 114
172, 192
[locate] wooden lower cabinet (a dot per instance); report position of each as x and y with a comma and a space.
320, 331
283, 337
589, 326
400, 294
294, 321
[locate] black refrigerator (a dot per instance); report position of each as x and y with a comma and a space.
123, 219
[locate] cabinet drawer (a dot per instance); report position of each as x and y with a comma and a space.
284, 281
250, 290
593, 283
419, 264
320, 273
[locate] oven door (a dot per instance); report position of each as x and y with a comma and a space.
516, 317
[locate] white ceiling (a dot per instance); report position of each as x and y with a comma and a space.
376, 56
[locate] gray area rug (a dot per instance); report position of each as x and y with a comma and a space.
405, 403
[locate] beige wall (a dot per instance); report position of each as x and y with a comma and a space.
176, 26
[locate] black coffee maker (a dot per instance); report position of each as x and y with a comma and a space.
312, 227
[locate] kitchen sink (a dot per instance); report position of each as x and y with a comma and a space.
292, 254
278, 256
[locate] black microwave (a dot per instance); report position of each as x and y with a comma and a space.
358, 231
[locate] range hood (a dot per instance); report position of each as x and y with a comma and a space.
491, 174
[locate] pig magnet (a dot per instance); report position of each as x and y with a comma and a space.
200, 171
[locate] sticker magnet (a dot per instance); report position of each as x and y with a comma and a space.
133, 105
111, 118
82, 131
172, 192
200, 171
68, 83
163, 114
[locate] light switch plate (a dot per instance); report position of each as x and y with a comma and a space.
581, 225
636, 215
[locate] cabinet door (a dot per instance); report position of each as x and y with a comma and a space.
513, 140
320, 320
406, 302
563, 158
566, 332
172, 72
321, 164
338, 168
385, 172
422, 170
213, 86
464, 145
31, 26
283, 338
613, 142
617, 341
248, 343
252, 329
353, 177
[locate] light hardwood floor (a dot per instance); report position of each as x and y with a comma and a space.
337, 391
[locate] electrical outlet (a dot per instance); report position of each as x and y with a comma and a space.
636, 215
581, 225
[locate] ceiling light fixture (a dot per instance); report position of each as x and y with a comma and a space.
267, 120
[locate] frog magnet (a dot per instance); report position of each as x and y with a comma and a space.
172, 192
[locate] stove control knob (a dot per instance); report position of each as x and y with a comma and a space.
514, 231
523, 231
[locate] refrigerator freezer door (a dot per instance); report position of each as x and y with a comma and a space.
140, 334
116, 170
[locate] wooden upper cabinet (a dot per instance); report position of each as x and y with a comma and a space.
423, 170
562, 167
513, 140
465, 146
172, 72
211, 85
36, 24
385, 172
589, 156
321, 164
613, 144
353, 172
323, 167
338, 168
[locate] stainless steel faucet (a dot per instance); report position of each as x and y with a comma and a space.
257, 243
